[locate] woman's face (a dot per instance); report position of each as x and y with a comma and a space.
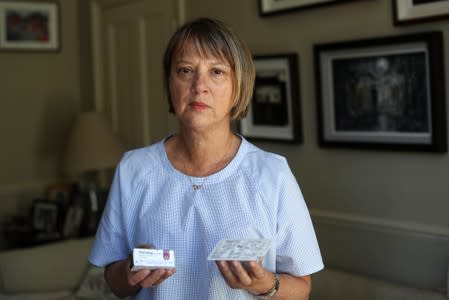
201, 89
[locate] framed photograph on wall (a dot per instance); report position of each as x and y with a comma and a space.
415, 11
274, 112
272, 7
385, 93
29, 25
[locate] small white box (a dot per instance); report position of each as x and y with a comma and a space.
152, 259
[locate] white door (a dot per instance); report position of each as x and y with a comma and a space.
128, 40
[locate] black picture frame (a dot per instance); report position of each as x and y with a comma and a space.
407, 12
382, 93
75, 216
274, 113
275, 7
45, 216
27, 25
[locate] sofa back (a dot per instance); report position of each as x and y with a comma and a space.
50, 267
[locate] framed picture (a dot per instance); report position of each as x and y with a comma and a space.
272, 7
29, 25
415, 11
45, 216
60, 192
274, 112
382, 93
74, 218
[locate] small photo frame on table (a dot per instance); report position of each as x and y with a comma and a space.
75, 215
45, 216
273, 7
274, 112
60, 192
384, 93
29, 25
415, 11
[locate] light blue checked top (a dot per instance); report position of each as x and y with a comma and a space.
254, 196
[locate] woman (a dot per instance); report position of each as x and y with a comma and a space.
204, 184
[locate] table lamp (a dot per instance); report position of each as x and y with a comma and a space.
92, 148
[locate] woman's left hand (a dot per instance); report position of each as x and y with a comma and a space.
254, 278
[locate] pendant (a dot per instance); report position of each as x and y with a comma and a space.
196, 186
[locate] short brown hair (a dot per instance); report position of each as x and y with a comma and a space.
213, 37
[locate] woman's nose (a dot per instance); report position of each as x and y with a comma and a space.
199, 83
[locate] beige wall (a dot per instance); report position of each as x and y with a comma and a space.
40, 95
379, 190
375, 189
397, 185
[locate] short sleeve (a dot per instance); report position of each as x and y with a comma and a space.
297, 250
110, 240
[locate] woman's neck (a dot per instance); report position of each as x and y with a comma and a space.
202, 154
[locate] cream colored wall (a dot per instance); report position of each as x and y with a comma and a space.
401, 190
397, 185
40, 95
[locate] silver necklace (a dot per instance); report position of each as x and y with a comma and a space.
197, 185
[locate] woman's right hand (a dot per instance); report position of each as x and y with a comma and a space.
146, 278
124, 282
149, 278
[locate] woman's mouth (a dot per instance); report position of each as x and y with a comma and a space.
198, 105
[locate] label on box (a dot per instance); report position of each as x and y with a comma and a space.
152, 259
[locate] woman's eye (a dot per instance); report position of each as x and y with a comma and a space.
218, 72
184, 70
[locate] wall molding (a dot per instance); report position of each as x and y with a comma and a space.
380, 224
18, 188
14, 196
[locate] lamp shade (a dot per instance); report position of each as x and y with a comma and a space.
92, 144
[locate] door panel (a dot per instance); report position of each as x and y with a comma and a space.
129, 38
